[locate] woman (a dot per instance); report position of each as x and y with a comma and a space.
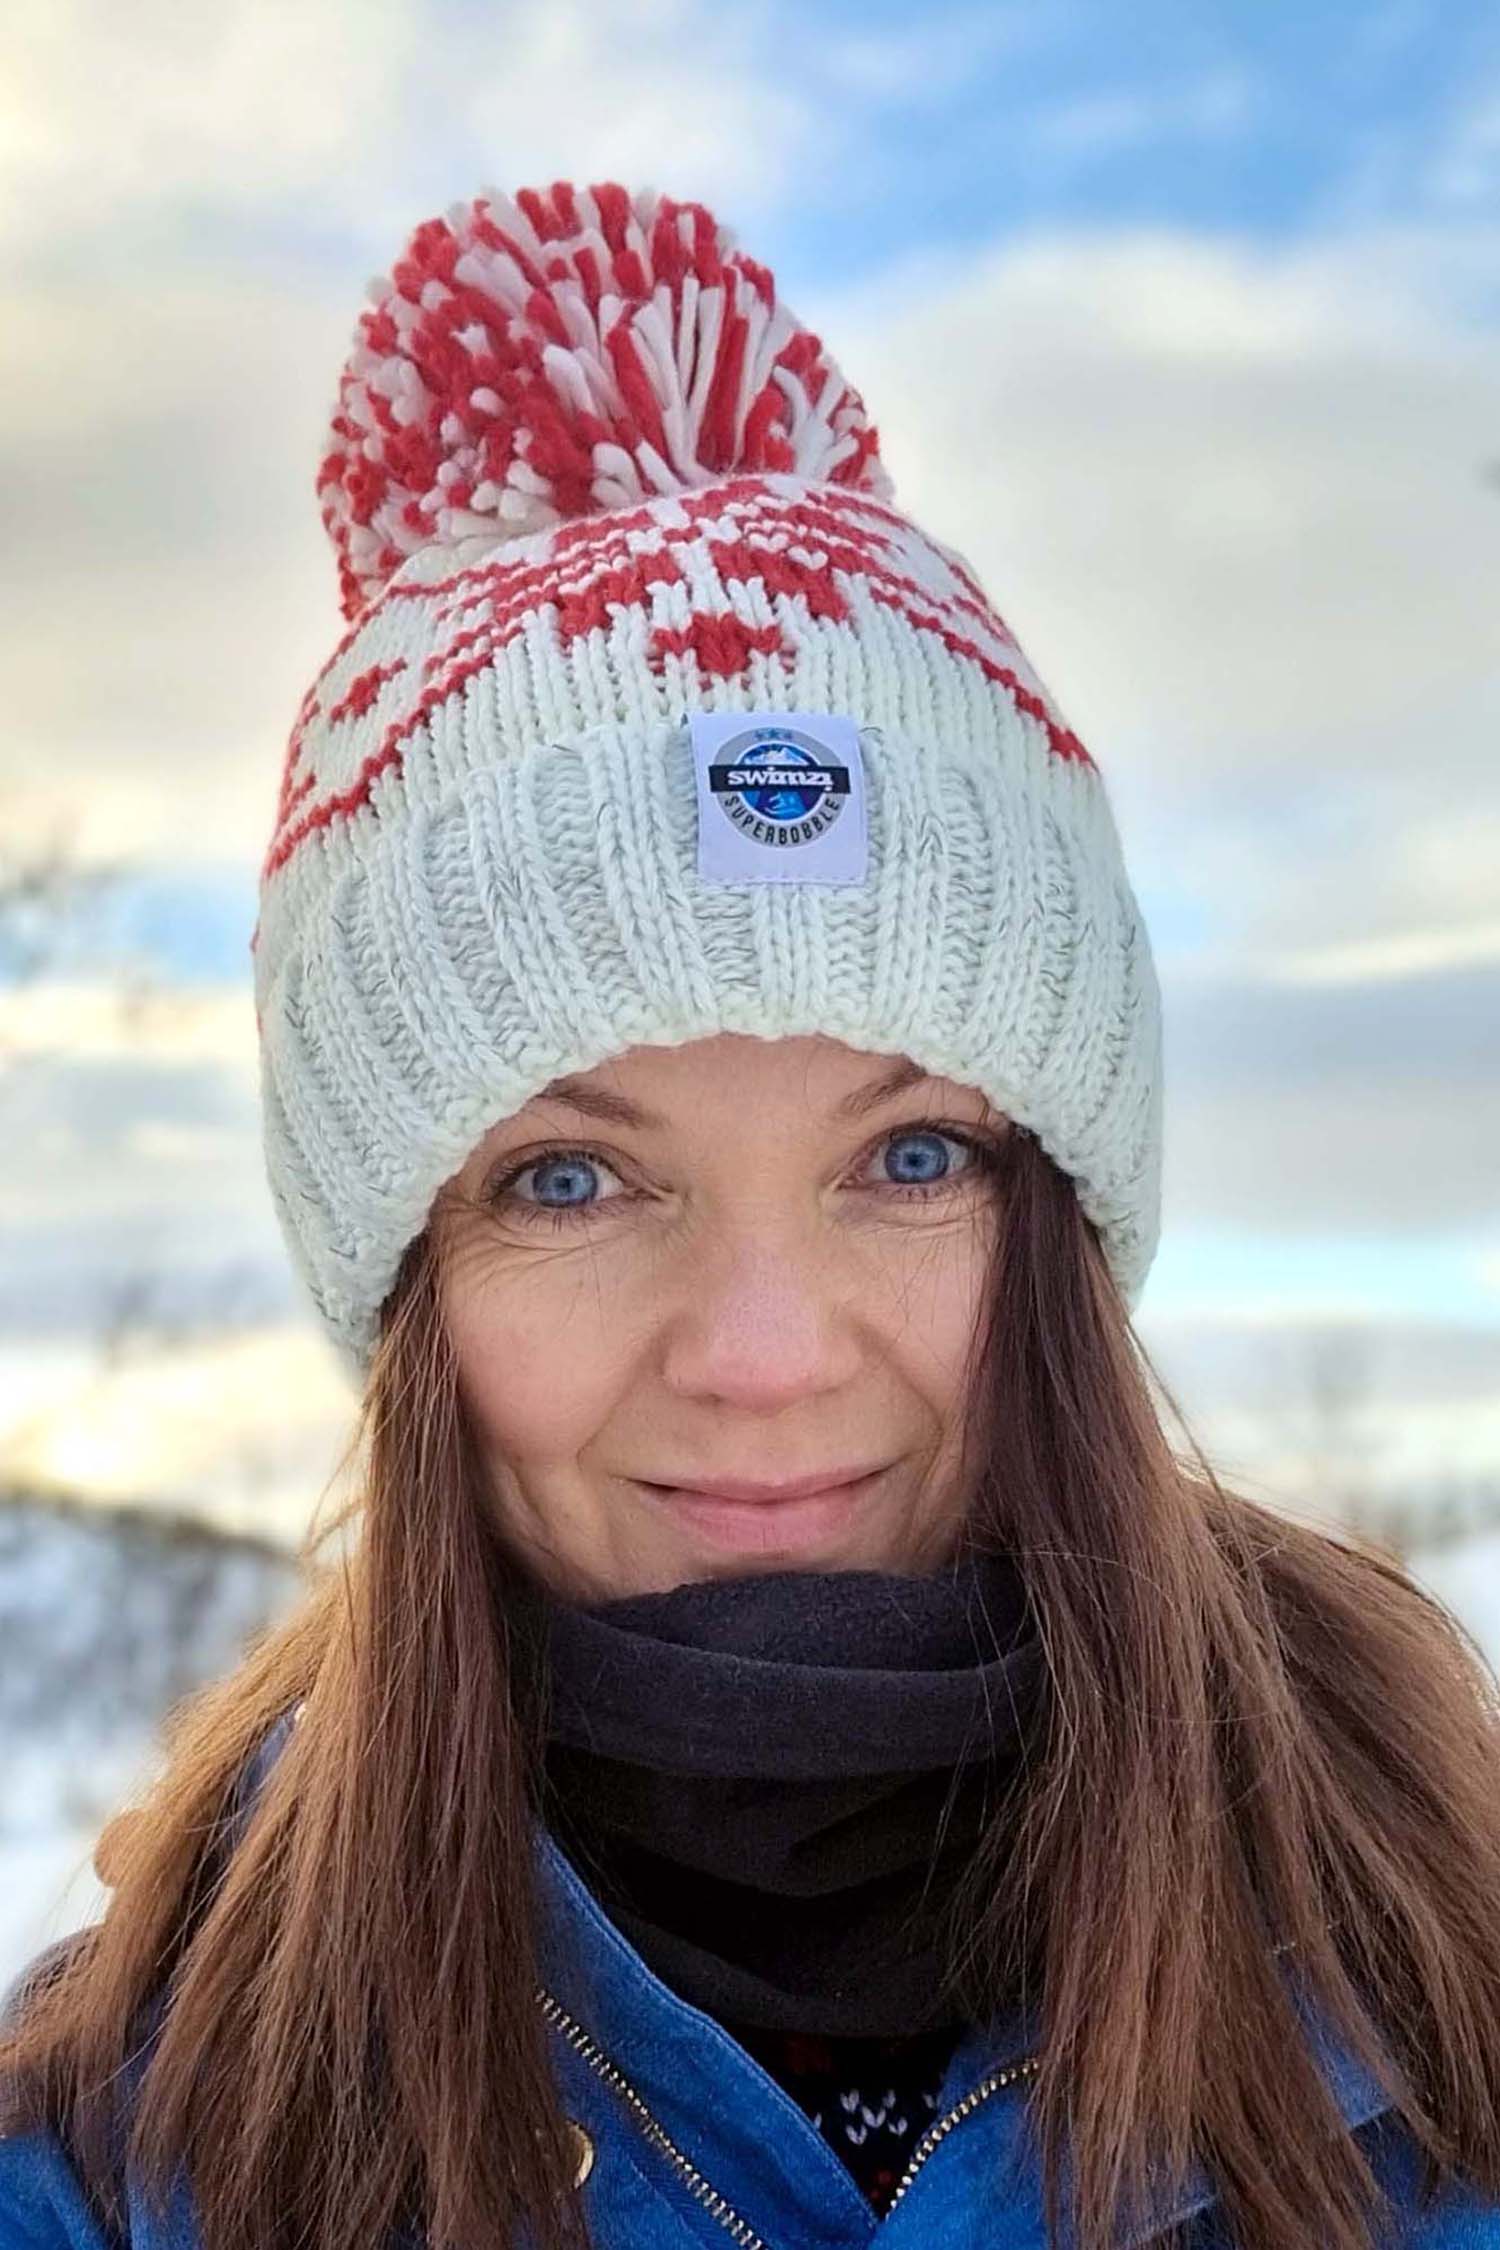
793, 1752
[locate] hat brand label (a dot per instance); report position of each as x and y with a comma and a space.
781, 797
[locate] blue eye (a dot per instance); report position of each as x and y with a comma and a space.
927, 1168
927, 1153
565, 1180
567, 1171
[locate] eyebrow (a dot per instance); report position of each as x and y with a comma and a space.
616, 1109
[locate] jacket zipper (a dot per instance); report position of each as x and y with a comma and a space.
740, 2230
942, 2126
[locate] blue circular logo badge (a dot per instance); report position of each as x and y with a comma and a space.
779, 786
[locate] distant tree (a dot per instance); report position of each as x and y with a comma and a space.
1340, 1385
43, 884
1321, 1399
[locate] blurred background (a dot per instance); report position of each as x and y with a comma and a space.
1182, 322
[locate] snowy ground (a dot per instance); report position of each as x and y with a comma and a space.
107, 1618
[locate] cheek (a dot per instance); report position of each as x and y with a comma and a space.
543, 1357
931, 1300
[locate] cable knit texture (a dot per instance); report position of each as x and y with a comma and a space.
586, 477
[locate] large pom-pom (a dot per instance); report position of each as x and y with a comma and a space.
562, 353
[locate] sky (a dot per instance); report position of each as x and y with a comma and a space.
1181, 322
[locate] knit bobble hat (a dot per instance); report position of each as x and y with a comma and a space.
653, 718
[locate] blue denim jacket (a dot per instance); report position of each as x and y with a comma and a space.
686, 2143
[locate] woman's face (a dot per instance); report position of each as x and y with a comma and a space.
713, 1307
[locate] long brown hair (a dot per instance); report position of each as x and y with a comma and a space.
1261, 1737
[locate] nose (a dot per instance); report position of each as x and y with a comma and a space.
763, 1324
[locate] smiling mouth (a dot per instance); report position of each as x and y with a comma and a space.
771, 1491
745, 1517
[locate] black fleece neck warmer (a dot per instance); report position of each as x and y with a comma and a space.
771, 1782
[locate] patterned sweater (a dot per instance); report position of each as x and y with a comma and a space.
871, 2099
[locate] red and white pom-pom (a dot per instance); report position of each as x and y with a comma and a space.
564, 352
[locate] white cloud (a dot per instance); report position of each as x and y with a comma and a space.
90, 1023
1232, 502
1371, 1107
217, 188
110, 112
140, 126
674, 94
1377, 959
135, 1175
168, 587
1066, 134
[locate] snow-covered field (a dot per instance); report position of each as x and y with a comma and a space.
108, 1617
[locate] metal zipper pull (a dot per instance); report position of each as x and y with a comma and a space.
739, 2230
585, 2148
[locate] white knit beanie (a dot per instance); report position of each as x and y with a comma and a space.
654, 718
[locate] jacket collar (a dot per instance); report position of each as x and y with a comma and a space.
746, 2133
741, 2130
749, 2138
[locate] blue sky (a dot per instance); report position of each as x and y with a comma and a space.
1265, 119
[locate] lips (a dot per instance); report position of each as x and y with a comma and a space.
753, 1517
770, 1493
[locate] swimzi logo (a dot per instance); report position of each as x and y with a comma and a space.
781, 796
780, 788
